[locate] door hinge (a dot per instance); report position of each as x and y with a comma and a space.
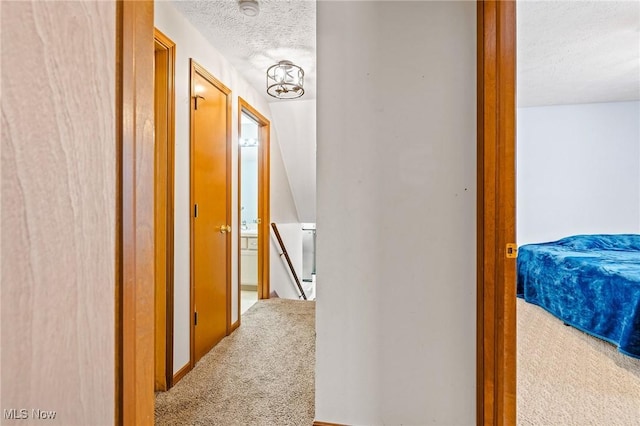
512, 250
195, 210
195, 318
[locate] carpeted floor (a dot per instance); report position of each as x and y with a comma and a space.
262, 374
566, 377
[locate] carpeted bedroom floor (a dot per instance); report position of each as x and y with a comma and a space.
566, 377
262, 374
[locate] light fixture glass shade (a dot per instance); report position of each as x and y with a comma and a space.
285, 80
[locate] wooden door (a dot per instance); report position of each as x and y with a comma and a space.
210, 195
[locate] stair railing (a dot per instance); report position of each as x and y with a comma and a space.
288, 259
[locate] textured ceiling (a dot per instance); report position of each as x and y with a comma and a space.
568, 51
284, 29
578, 52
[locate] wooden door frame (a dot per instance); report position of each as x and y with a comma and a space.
165, 163
264, 184
495, 213
194, 68
134, 225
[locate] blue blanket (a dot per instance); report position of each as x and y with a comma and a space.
591, 282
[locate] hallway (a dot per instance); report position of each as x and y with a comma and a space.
262, 374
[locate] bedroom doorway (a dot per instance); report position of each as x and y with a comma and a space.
253, 210
577, 166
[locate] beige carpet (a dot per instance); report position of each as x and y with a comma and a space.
262, 374
566, 377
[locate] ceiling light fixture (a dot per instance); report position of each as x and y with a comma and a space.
249, 7
285, 80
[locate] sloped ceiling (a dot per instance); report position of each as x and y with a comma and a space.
572, 52
295, 123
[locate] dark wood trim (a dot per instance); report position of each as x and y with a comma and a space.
135, 213
235, 325
317, 423
496, 321
181, 373
169, 47
264, 185
196, 68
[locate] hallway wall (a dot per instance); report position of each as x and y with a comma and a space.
396, 246
58, 211
191, 44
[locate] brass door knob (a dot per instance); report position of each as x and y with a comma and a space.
224, 229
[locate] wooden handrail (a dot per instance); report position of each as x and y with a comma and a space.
286, 256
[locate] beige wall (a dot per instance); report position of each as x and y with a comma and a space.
58, 192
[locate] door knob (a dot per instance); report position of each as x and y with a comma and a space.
224, 229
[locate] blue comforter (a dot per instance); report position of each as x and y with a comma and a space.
591, 282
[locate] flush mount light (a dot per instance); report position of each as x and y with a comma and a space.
249, 7
285, 80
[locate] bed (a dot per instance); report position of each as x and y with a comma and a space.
591, 282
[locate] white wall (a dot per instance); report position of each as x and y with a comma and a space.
191, 44
396, 250
295, 122
58, 211
578, 170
